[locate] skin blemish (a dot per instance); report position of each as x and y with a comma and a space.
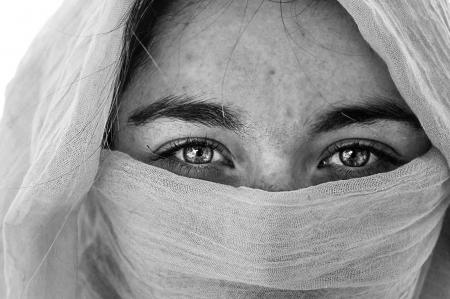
270, 74
189, 57
288, 113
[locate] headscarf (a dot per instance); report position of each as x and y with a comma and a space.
55, 116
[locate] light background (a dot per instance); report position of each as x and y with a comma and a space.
20, 21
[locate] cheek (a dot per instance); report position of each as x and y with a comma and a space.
413, 145
126, 142
138, 141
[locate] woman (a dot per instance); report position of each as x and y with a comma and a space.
341, 186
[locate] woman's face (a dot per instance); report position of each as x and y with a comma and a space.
266, 95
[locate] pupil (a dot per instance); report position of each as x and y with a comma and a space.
197, 154
354, 158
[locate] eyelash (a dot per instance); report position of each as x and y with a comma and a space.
167, 151
361, 144
379, 150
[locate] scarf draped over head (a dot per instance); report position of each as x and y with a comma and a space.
382, 236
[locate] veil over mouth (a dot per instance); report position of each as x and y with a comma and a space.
54, 121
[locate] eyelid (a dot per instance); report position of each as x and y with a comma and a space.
169, 148
380, 149
191, 170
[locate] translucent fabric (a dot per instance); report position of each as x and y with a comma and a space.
364, 238
218, 241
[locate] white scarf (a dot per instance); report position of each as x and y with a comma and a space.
54, 119
181, 237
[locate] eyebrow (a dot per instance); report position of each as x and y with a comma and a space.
191, 109
195, 109
368, 112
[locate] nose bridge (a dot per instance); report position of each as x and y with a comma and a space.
277, 174
273, 186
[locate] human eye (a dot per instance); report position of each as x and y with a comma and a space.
353, 158
195, 157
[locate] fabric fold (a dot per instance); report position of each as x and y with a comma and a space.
55, 116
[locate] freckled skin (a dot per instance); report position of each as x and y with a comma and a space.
278, 73
288, 114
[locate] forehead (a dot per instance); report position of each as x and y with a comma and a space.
278, 63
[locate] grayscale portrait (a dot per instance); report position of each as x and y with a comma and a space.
230, 149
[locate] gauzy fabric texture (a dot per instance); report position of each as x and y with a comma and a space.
222, 241
364, 238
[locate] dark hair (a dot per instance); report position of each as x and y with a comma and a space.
139, 27
99, 268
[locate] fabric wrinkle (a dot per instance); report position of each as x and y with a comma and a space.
65, 203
